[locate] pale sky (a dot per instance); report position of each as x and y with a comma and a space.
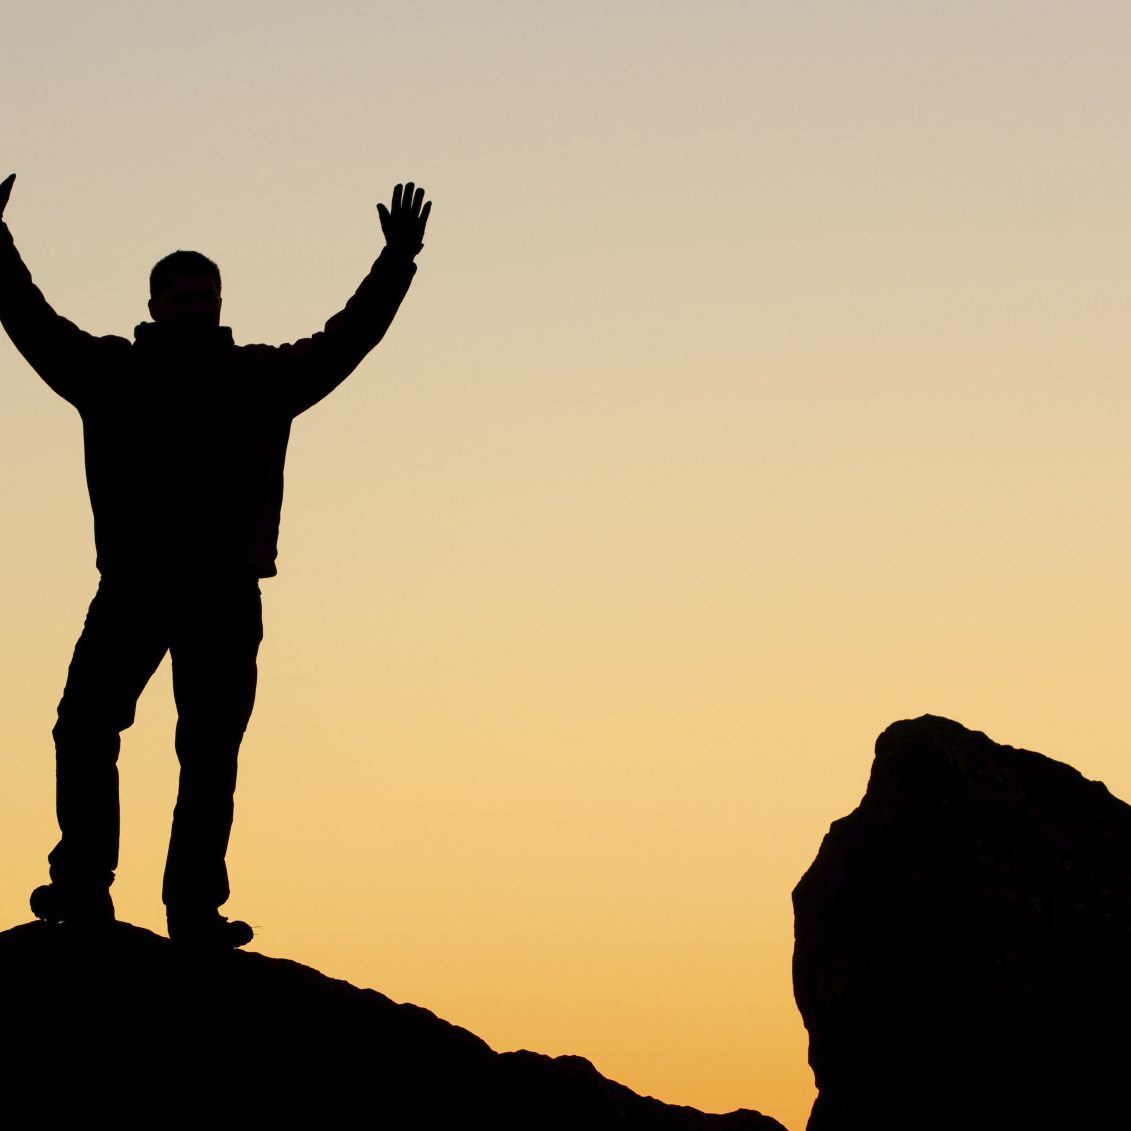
762, 383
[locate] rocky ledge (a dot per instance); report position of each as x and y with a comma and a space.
121, 1026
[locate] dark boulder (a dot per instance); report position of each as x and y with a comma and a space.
963, 943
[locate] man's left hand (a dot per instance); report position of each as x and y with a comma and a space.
404, 221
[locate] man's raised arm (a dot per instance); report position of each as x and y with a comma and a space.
315, 366
55, 348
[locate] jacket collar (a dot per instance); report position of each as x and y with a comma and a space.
166, 337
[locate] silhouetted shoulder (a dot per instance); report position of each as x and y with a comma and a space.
297, 375
69, 359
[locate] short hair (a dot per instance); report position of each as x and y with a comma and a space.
180, 263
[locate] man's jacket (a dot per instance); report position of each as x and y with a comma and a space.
186, 436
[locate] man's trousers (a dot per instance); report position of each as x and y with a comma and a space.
212, 629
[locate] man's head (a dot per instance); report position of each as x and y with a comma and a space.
184, 288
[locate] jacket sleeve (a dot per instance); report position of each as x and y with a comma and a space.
306, 370
62, 354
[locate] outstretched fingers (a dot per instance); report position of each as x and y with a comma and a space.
404, 220
408, 198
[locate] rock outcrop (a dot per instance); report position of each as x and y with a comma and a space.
122, 1028
963, 943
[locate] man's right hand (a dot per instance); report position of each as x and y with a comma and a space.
6, 191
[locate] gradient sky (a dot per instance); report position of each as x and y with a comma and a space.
763, 383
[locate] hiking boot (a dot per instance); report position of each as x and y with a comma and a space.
55, 904
207, 930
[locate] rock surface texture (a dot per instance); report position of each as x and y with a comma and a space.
963, 943
123, 1028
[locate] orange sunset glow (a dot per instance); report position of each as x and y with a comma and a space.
763, 382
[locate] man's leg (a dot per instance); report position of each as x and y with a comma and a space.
214, 646
121, 645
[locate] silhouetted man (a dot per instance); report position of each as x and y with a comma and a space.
185, 436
